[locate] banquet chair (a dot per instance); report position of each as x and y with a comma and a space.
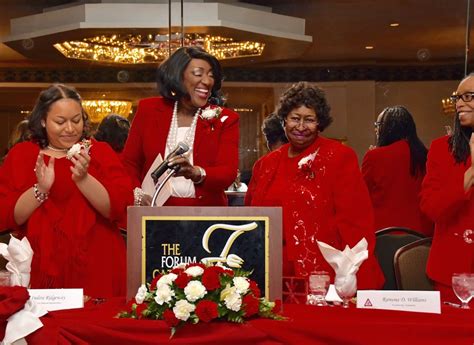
387, 242
410, 266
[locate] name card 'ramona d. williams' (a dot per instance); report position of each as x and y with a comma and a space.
58, 299
417, 301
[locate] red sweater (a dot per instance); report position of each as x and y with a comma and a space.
393, 190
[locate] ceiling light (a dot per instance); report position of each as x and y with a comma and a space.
137, 32
394, 25
369, 47
152, 48
97, 109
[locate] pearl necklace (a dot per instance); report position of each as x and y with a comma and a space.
52, 148
171, 142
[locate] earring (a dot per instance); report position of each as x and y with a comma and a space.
43, 124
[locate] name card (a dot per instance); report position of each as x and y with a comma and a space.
418, 301
58, 299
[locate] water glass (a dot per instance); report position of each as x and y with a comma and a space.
463, 287
346, 288
318, 288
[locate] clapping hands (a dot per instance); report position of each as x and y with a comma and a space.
44, 173
80, 166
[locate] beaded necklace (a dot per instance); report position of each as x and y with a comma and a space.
52, 148
171, 142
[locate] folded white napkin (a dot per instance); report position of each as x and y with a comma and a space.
345, 263
23, 323
19, 255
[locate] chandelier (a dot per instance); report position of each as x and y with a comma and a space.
449, 108
152, 48
98, 109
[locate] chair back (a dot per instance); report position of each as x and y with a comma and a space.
410, 266
387, 242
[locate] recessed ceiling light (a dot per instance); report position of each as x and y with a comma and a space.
369, 47
393, 25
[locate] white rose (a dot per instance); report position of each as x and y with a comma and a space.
164, 294
242, 284
194, 271
233, 301
183, 309
76, 148
210, 113
167, 279
194, 291
141, 294
306, 159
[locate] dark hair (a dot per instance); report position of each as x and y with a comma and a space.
19, 134
170, 74
303, 93
397, 124
459, 138
113, 129
273, 130
46, 98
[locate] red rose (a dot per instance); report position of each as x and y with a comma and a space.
177, 270
169, 318
254, 288
277, 308
210, 278
139, 310
154, 281
250, 305
182, 280
206, 310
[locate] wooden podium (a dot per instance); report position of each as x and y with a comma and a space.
158, 238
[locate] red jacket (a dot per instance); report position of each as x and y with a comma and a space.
393, 190
215, 149
330, 204
444, 200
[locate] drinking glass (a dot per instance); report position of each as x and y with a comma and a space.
463, 287
318, 288
346, 288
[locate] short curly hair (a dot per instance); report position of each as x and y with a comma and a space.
310, 96
113, 129
44, 102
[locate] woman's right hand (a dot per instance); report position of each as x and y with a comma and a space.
44, 173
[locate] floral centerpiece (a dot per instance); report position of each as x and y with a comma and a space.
198, 293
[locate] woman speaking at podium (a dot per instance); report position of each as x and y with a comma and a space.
318, 184
188, 112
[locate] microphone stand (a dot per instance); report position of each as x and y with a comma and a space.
171, 172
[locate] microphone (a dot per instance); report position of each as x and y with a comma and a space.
163, 167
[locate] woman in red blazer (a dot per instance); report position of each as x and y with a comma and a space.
189, 81
447, 194
394, 170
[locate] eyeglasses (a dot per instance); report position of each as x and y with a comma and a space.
307, 122
466, 97
377, 124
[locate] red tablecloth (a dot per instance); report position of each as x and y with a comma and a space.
306, 325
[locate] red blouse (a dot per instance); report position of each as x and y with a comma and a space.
327, 202
74, 246
216, 149
393, 190
444, 200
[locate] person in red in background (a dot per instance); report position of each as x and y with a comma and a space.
318, 184
394, 170
113, 129
447, 195
65, 193
189, 81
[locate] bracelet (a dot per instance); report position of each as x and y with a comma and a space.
203, 175
137, 196
41, 197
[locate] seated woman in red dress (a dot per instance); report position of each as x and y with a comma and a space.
318, 184
394, 170
447, 194
66, 200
